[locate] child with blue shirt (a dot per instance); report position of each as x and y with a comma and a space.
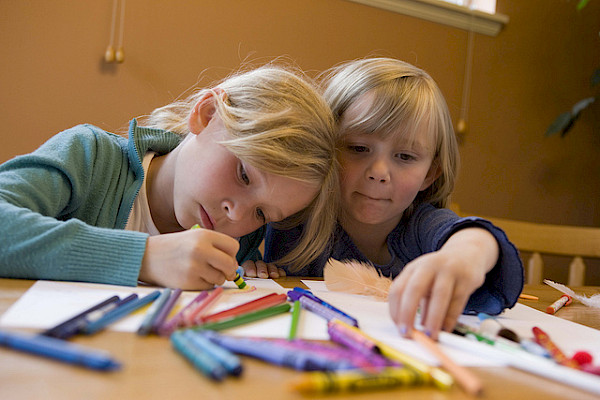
92, 206
399, 160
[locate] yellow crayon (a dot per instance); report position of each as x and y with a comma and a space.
440, 378
238, 280
359, 380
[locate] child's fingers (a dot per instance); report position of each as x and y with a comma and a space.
273, 271
441, 296
414, 289
262, 270
249, 268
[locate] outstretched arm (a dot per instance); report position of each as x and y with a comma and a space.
441, 282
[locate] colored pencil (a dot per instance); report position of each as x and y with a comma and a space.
469, 382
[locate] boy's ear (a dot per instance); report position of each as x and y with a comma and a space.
434, 172
203, 111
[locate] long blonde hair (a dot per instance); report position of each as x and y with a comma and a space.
280, 124
405, 98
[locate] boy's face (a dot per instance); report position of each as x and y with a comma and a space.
381, 176
214, 188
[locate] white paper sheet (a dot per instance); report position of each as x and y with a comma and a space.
47, 303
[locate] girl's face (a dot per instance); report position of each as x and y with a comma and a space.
214, 188
381, 176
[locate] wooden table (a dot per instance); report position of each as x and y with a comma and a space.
153, 370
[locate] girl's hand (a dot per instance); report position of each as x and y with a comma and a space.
441, 282
261, 269
195, 259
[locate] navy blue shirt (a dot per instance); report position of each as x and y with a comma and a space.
424, 231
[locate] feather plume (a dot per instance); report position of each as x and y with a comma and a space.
356, 278
593, 301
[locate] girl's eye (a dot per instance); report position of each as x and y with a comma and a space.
405, 156
243, 175
358, 149
261, 215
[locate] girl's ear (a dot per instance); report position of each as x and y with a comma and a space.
434, 172
203, 111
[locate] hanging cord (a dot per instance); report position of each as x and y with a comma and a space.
461, 128
109, 54
120, 55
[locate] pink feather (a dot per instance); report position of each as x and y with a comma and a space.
356, 278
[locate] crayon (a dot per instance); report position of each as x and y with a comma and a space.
169, 326
309, 294
71, 326
165, 310
318, 308
295, 318
58, 349
244, 318
544, 340
192, 316
528, 297
440, 378
120, 312
280, 354
564, 300
146, 325
228, 360
358, 381
239, 273
202, 361
269, 300
345, 336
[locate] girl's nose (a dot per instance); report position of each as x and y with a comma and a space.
379, 171
235, 210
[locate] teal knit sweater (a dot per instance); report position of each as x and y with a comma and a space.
64, 207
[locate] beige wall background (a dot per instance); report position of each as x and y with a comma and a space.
52, 76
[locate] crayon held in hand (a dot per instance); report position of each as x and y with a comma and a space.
238, 280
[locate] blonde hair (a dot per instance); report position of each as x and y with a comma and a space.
405, 99
280, 124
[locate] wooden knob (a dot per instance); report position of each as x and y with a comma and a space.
120, 55
109, 54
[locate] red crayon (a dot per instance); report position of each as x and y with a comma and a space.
564, 300
254, 305
543, 340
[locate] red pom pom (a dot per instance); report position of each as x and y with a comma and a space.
582, 358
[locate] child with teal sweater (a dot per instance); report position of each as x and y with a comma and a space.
92, 206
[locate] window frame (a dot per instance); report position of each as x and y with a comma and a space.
444, 13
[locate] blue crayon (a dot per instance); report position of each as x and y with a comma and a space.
58, 349
278, 354
152, 313
202, 361
319, 309
120, 312
228, 360
310, 294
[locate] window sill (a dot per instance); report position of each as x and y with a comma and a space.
444, 13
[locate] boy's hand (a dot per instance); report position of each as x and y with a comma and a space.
441, 282
261, 269
195, 259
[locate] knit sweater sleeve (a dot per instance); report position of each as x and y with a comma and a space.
59, 207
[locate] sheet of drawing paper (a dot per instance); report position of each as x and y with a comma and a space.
568, 336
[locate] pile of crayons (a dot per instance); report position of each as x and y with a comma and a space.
350, 361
